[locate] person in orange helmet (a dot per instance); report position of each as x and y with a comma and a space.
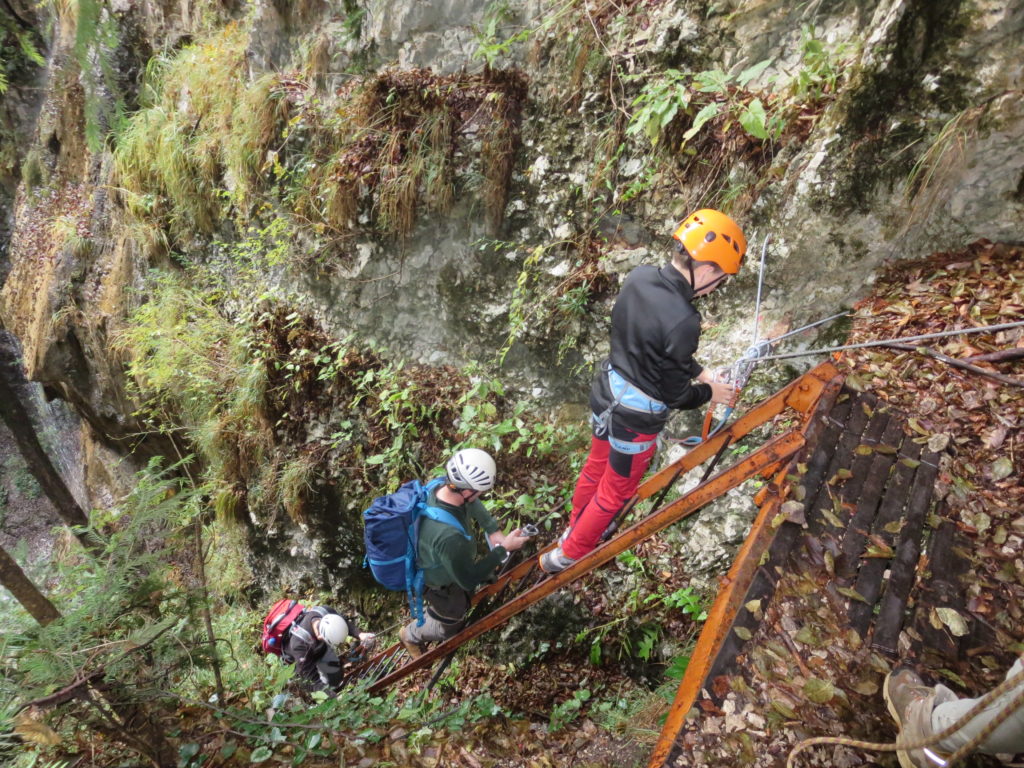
650, 370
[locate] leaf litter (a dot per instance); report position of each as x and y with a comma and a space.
804, 672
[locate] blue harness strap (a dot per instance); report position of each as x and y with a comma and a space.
630, 397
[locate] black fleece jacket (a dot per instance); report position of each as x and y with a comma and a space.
655, 332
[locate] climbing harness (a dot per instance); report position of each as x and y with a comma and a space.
630, 397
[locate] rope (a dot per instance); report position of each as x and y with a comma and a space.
903, 339
1012, 706
760, 284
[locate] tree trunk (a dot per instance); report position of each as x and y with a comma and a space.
17, 418
24, 591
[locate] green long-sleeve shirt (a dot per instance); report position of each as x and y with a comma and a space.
452, 559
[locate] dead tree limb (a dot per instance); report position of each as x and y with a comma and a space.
1009, 380
1000, 356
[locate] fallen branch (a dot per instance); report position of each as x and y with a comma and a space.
66, 693
1002, 356
957, 363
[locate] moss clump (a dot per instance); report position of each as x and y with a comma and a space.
34, 173
208, 145
881, 109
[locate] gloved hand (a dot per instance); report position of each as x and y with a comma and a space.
367, 641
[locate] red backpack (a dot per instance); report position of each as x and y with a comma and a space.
278, 622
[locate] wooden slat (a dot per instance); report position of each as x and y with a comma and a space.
833, 425
866, 495
872, 570
942, 590
904, 567
848, 440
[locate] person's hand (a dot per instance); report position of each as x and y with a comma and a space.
496, 539
723, 393
515, 540
367, 641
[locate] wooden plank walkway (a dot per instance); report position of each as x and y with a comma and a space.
867, 491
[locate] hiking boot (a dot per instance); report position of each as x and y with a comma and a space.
910, 703
554, 560
415, 649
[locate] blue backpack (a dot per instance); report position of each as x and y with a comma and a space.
392, 533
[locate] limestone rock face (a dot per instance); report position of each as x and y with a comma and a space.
915, 74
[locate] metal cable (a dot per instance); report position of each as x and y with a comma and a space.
760, 284
807, 327
903, 339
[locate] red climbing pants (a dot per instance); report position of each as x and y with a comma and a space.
608, 480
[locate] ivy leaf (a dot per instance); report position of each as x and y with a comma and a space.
953, 620
783, 709
188, 751
851, 593
750, 73
706, 113
819, 691
1001, 468
866, 687
753, 118
712, 81
260, 754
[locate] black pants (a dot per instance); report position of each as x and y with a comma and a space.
444, 616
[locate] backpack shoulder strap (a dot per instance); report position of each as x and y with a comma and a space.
444, 516
301, 634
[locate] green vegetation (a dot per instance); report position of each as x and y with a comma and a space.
255, 151
130, 625
242, 391
19, 47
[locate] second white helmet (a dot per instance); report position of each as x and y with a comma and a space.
471, 469
333, 629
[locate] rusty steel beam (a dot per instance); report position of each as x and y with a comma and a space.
734, 587
770, 454
800, 394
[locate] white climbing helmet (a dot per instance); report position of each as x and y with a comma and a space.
471, 469
333, 629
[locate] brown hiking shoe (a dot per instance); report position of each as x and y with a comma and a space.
415, 649
910, 703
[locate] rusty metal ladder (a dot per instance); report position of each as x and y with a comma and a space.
525, 584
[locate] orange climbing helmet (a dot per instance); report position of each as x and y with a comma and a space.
710, 235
